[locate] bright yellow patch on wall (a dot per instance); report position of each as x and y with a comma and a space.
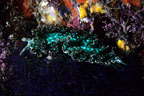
96, 8
85, 5
122, 45
50, 18
83, 12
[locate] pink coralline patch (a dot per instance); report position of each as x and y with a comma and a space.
2, 67
2, 57
3, 54
75, 24
1, 44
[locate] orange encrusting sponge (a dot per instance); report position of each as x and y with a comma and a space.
81, 1
132, 2
27, 11
68, 3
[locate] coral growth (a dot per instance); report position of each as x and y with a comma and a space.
126, 23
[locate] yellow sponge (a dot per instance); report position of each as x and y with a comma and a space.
96, 8
83, 12
121, 45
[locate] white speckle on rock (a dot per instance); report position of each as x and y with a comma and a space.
49, 57
44, 3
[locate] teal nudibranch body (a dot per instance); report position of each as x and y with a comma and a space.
80, 45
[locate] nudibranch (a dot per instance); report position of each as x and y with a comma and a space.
79, 45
